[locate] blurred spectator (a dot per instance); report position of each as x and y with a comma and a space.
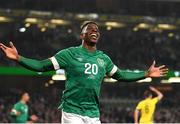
114, 110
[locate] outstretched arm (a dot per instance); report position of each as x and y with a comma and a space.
159, 94
128, 76
134, 76
35, 65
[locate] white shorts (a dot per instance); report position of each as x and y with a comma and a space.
71, 118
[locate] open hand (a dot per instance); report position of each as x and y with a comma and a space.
10, 52
160, 71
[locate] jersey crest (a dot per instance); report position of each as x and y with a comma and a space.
100, 61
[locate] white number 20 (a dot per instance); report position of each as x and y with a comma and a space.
91, 68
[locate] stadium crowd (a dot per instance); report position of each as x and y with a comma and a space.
44, 104
127, 49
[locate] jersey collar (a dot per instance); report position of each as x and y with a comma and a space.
86, 51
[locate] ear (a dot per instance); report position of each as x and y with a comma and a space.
82, 36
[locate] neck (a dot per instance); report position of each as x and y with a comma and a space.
22, 101
89, 47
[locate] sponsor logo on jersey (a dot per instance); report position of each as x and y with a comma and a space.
80, 59
100, 61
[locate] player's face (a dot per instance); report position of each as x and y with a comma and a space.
26, 97
92, 33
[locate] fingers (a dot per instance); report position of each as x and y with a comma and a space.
154, 63
163, 73
164, 69
11, 44
3, 46
162, 66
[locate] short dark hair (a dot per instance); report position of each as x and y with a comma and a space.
147, 93
22, 93
85, 23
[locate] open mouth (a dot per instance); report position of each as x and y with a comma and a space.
94, 36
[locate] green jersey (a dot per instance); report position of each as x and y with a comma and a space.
84, 71
23, 109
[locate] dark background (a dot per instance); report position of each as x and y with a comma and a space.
129, 49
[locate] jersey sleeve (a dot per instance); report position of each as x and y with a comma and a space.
139, 106
36, 65
128, 76
60, 60
122, 75
15, 109
110, 67
155, 100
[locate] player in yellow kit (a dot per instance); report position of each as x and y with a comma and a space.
147, 106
